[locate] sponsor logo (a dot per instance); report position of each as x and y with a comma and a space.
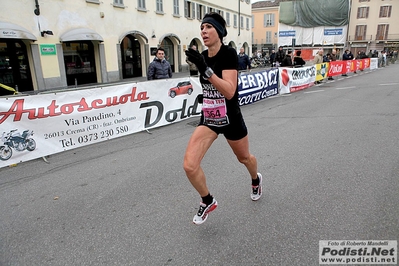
350, 252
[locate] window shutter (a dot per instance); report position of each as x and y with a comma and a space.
192, 14
386, 31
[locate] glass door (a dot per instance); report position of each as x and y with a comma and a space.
14, 67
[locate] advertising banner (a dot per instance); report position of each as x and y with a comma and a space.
373, 63
339, 67
336, 68
253, 87
295, 79
40, 125
350, 66
321, 71
365, 63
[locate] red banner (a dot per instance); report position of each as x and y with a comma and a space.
336, 68
341, 67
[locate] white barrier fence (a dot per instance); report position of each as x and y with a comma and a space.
40, 125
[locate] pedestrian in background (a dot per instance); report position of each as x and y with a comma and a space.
280, 55
298, 60
318, 59
159, 68
384, 58
287, 61
333, 57
192, 67
370, 54
243, 60
347, 56
273, 58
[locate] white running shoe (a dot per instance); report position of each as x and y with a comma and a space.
203, 212
257, 190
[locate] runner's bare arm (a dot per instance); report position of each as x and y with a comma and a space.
226, 85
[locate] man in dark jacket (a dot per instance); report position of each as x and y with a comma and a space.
347, 56
280, 55
159, 68
273, 58
287, 61
333, 57
243, 60
298, 60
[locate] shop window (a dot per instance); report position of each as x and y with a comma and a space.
14, 66
79, 62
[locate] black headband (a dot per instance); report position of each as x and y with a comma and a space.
219, 27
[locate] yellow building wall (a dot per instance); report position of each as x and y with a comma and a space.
259, 30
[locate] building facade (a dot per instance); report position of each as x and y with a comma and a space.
46, 44
373, 25
265, 17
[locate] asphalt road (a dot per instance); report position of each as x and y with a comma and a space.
329, 156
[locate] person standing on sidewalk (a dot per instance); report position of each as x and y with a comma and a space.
298, 60
318, 59
347, 56
243, 60
280, 55
159, 68
220, 113
333, 57
273, 58
287, 61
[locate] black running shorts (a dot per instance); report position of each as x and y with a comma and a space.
235, 130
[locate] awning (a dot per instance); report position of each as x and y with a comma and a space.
133, 32
170, 35
13, 31
81, 34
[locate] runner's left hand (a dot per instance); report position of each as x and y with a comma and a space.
198, 59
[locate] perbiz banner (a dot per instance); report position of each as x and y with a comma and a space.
253, 87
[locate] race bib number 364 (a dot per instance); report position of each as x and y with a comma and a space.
215, 112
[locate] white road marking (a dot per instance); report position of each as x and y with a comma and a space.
389, 84
345, 88
313, 91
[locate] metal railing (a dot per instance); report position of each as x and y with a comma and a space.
360, 38
389, 37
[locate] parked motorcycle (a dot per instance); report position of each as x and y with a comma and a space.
261, 62
17, 141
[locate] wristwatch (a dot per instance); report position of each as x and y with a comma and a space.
208, 73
